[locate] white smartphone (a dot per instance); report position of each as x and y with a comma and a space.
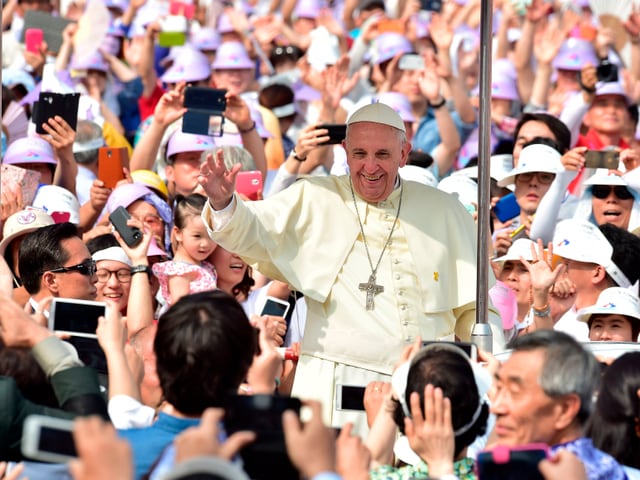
276, 307
75, 317
48, 439
411, 61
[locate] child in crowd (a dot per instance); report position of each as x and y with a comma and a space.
188, 272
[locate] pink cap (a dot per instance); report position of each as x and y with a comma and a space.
190, 66
612, 88
224, 24
206, 38
400, 103
94, 61
422, 26
29, 150
503, 85
186, 142
574, 53
308, 9
125, 194
232, 55
388, 45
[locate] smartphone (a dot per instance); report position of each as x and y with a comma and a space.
276, 307
349, 397
337, 133
205, 107
607, 71
470, 349
392, 25
182, 8
48, 439
249, 184
33, 38
609, 159
173, 31
512, 463
75, 317
431, 5
506, 208
132, 236
411, 61
266, 457
50, 104
110, 164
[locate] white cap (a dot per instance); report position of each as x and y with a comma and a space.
116, 254
603, 176
53, 199
613, 301
520, 248
464, 188
534, 158
377, 113
582, 241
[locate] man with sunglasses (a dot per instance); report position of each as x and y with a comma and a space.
55, 262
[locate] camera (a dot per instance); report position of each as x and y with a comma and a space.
607, 71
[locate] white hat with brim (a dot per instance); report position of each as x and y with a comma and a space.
606, 177
377, 113
418, 174
520, 248
534, 158
613, 301
22, 223
583, 241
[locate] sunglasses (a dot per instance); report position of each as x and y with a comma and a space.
543, 177
88, 268
603, 191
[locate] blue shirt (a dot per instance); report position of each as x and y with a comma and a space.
599, 465
149, 442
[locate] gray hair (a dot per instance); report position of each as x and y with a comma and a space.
568, 367
87, 132
233, 154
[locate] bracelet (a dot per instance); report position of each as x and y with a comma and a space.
541, 311
141, 269
296, 157
247, 130
438, 105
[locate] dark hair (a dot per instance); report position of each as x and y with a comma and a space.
245, 284
453, 374
87, 131
20, 364
186, 207
557, 127
568, 368
614, 425
633, 322
419, 159
543, 141
626, 250
41, 251
102, 242
204, 347
276, 95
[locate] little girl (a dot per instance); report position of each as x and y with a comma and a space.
187, 272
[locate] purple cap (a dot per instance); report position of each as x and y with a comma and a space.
421, 25
29, 150
574, 53
400, 103
232, 55
94, 61
503, 85
206, 38
180, 142
224, 24
612, 88
111, 44
305, 93
155, 250
308, 9
119, 4
190, 66
15, 76
388, 45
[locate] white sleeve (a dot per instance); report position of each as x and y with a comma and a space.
546, 217
127, 412
216, 220
572, 114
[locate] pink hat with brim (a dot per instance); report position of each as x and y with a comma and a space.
232, 56
388, 45
224, 24
503, 85
29, 150
612, 88
125, 194
191, 65
400, 103
181, 142
574, 54
307, 9
206, 39
94, 61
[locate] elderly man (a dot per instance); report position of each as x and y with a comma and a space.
544, 395
380, 260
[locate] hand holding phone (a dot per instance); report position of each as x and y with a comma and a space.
249, 184
48, 439
609, 159
205, 111
132, 236
110, 164
33, 38
337, 133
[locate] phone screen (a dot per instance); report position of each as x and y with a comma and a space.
337, 133
77, 317
351, 397
274, 308
511, 464
57, 440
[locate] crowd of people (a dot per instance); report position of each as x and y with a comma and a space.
334, 175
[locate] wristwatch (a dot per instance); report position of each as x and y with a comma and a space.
141, 269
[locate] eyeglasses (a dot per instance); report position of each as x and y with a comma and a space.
88, 268
150, 219
603, 191
543, 177
123, 275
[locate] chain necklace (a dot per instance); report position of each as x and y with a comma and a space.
370, 287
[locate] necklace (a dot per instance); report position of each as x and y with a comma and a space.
371, 287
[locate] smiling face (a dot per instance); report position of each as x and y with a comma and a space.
611, 209
113, 288
229, 267
194, 240
607, 115
610, 328
375, 152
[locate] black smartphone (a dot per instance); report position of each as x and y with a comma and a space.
607, 71
50, 104
337, 133
266, 457
431, 5
609, 159
349, 397
132, 236
205, 107
511, 463
506, 208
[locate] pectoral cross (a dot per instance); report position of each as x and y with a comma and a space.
372, 290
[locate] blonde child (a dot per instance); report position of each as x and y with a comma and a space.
188, 272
